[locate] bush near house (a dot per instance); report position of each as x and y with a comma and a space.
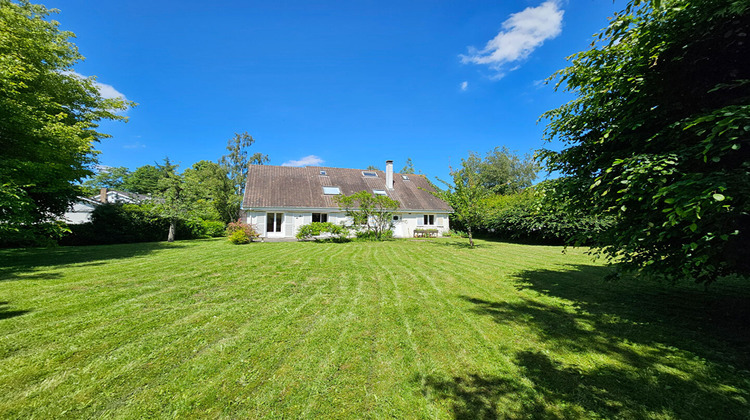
213, 228
309, 231
239, 237
248, 231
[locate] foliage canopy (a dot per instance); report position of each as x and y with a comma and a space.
467, 196
48, 117
370, 213
659, 137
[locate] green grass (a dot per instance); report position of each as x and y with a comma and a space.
402, 329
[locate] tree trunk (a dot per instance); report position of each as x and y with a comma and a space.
172, 228
471, 240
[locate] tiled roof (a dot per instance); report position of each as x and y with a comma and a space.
285, 186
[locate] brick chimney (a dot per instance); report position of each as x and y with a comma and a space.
389, 174
103, 195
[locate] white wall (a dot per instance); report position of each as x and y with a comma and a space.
410, 221
293, 220
78, 213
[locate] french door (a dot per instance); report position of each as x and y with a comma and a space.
273, 224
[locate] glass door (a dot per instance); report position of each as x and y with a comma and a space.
273, 224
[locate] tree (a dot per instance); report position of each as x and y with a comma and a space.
466, 195
659, 137
144, 180
372, 168
373, 213
237, 160
502, 171
212, 188
408, 167
48, 116
173, 199
107, 177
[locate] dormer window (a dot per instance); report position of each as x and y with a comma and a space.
379, 192
369, 174
323, 173
331, 190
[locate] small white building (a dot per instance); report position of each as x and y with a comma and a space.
280, 199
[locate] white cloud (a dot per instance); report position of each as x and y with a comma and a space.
521, 34
136, 145
464, 85
107, 91
311, 160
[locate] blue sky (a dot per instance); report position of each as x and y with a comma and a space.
350, 83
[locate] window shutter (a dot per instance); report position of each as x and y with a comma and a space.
261, 225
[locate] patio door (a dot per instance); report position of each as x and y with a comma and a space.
274, 225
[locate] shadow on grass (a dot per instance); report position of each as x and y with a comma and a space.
715, 323
614, 350
16, 264
5, 313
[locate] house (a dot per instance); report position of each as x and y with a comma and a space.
81, 209
280, 199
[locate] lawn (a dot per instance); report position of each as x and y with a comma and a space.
402, 329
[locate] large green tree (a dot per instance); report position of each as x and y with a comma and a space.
144, 180
502, 171
467, 195
107, 177
48, 117
213, 188
174, 199
659, 137
237, 160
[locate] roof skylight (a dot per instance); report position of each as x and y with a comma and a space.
369, 174
331, 190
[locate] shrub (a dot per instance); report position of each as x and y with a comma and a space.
318, 228
531, 217
239, 237
214, 228
249, 230
127, 223
371, 235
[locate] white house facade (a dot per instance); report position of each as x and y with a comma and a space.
279, 200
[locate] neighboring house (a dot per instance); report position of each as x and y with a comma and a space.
81, 209
120, 197
280, 199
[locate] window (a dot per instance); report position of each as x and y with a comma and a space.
273, 222
369, 174
320, 217
324, 173
379, 192
404, 177
395, 217
429, 219
331, 190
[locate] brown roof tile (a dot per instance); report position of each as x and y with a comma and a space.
285, 186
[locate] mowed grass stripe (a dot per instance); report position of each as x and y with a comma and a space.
403, 329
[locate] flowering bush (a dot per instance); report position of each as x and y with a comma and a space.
248, 230
239, 237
